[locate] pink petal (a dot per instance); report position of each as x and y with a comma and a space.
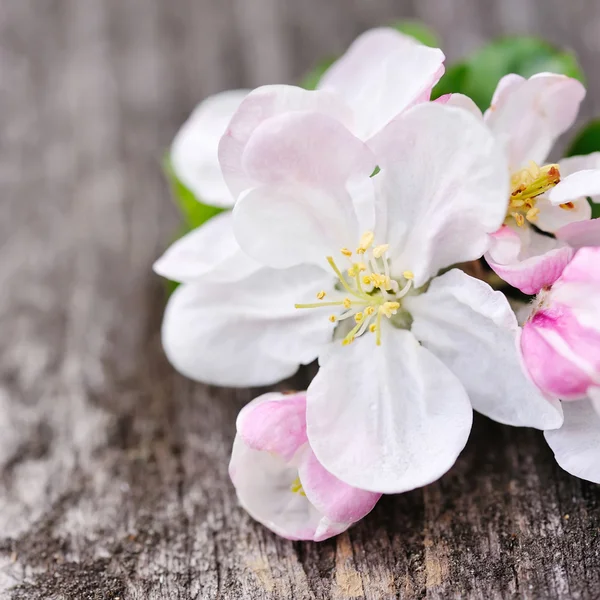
580, 234
584, 268
274, 423
551, 344
338, 501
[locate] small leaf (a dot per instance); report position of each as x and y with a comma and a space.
311, 79
419, 31
586, 141
478, 75
194, 212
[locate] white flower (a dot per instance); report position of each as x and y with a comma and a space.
412, 354
527, 116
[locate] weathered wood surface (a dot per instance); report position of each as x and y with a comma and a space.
113, 469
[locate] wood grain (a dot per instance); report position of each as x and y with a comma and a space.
113, 479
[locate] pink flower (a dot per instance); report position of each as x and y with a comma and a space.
527, 116
278, 479
560, 345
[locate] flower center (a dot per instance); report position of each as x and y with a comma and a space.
296, 487
527, 185
372, 293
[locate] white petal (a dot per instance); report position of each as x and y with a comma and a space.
529, 115
473, 330
194, 153
464, 102
552, 217
310, 166
260, 105
386, 418
576, 186
379, 78
263, 483
209, 252
444, 186
246, 333
576, 445
573, 164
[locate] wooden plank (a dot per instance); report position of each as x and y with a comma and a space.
113, 469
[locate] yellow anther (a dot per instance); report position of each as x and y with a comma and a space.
352, 271
347, 340
358, 317
321, 295
567, 206
389, 308
366, 280
361, 267
519, 218
379, 251
296, 487
347, 303
532, 214
346, 252
373, 328
365, 242
383, 282
408, 275
370, 310
333, 318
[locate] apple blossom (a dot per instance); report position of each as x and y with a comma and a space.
278, 479
413, 352
560, 345
527, 116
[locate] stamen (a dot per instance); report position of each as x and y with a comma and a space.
532, 214
567, 206
380, 250
296, 487
358, 317
346, 252
365, 242
321, 295
408, 275
333, 318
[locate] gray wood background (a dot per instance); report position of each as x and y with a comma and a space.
113, 468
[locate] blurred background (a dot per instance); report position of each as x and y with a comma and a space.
99, 439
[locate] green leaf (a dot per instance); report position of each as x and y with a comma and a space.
586, 141
478, 75
194, 212
419, 31
311, 79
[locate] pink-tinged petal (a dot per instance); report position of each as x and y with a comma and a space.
539, 262
551, 217
309, 206
209, 252
380, 78
580, 234
574, 164
194, 153
576, 186
443, 188
473, 331
576, 445
263, 482
506, 86
275, 423
584, 268
386, 418
260, 105
528, 116
551, 363
338, 501
235, 334
464, 102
